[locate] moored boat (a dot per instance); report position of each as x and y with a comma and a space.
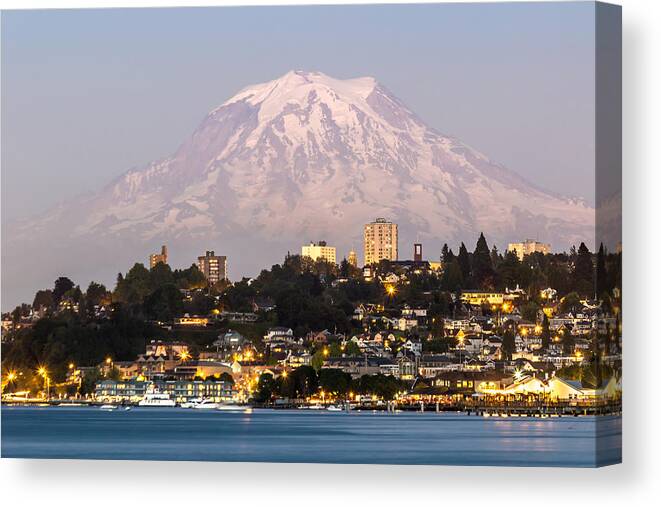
156, 399
229, 406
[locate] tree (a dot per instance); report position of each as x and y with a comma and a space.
545, 335
351, 349
465, 264
302, 382
452, 278
335, 381
508, 346
317, 360
602, 274
584, 272
570, 303
266, 388
529, 311
97, 294
482, 268
164, 304
43, 298
61, 286
495, 257
446, 254
509, 270
160, 275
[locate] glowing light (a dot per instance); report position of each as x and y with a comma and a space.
108, 360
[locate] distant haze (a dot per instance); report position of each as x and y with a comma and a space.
87, 95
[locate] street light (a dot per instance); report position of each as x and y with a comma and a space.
44, 373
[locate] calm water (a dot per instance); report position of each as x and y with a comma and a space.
306, 436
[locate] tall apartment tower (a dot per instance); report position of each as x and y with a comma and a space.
353, 258
156, 258
319, 250
380, 241
214, 267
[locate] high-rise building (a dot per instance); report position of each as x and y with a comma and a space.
528, 247
417, 252
319, 251
353, 258
214, 267
380, 241
156, 258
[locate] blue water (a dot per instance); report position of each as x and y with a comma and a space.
307, 436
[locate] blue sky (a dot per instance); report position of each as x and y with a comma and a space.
88, 94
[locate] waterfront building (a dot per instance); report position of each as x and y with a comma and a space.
181, 391
114, 390
156, 258
380, 241
214, 267
319, 250
527, 247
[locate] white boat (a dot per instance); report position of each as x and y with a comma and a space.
190, 403
334, 408
206, 404
127, 408
230, 406
315, 407
108, 407
156, 399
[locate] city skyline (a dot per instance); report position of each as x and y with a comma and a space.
442, 215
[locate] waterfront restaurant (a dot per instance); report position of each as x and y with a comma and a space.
132, 391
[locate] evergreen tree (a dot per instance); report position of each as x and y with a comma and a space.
465, 264
509, 270
546, 333
61, 286
602, 275
452, 279
43, 298
482, 268
495, 257
446, 254
508, 346
584, 272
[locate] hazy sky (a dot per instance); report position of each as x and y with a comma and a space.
88, 94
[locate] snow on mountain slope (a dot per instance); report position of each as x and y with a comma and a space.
301, 158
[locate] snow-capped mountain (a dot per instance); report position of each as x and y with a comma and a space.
300, 158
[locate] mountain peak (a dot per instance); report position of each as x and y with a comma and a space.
299, 83
305, 155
